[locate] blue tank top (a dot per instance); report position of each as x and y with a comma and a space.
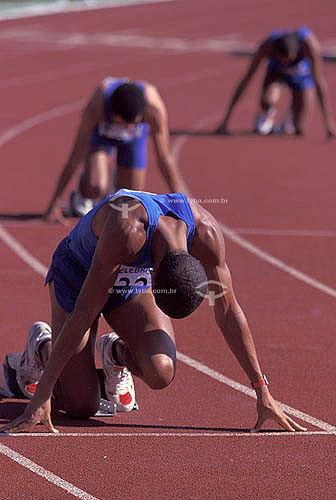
82, 241
300, 64
111, 130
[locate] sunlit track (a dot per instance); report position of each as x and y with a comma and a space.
41, 269
192, 440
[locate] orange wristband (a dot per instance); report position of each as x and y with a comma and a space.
263, 381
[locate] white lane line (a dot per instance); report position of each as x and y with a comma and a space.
119, 39
196, 365
21, 252
285, 232
250, 247
12, 132
229, 233
217, 434
40, 9
242, 242
49, 476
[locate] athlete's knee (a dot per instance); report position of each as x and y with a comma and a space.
92, 188
161, 372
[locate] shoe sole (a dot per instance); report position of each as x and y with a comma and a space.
10, 380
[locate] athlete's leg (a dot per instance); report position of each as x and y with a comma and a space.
94, 181
147, 345
302, 107
77, 390
130, 178
270, 91
270, 94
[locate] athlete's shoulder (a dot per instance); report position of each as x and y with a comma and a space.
208, 243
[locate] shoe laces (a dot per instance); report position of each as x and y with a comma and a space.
121, 377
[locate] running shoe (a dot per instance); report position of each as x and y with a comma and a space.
78, 205
265, 122
119, 385
286, 127
22, 372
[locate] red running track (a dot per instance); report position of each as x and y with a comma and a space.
189, 442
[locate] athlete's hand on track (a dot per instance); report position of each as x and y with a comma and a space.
268, 409
222, 130
55, 215
331, 134
31, 417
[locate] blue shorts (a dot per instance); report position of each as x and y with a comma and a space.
68, 275
298, 81
131, 153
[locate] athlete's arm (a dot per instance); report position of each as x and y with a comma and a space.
119, 241
157, 118
91, 115
262, 52
312, 50
230, 318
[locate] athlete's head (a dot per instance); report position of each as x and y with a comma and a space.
177, 289
287, 46
128, 102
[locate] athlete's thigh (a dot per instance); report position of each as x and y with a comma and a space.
78, 380
271, 87
302, 104
96, 169
144, 327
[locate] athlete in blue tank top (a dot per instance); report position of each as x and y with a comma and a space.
117, 120
133, 277
109, 254
293, 59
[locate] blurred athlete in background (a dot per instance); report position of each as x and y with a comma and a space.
119, 117
293, 59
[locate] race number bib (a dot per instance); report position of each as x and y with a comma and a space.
133, 277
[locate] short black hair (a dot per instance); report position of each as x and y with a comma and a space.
128, 101
180, 285
286, 44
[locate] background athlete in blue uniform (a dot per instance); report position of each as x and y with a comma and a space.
293, 59
185, 246
118, 119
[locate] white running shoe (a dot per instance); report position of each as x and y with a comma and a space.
29, 365
265, 122
78, 205
119, 385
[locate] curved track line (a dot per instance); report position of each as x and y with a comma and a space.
21, 252
244, 243
12, 132
286, 232
250, 247
49, 476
